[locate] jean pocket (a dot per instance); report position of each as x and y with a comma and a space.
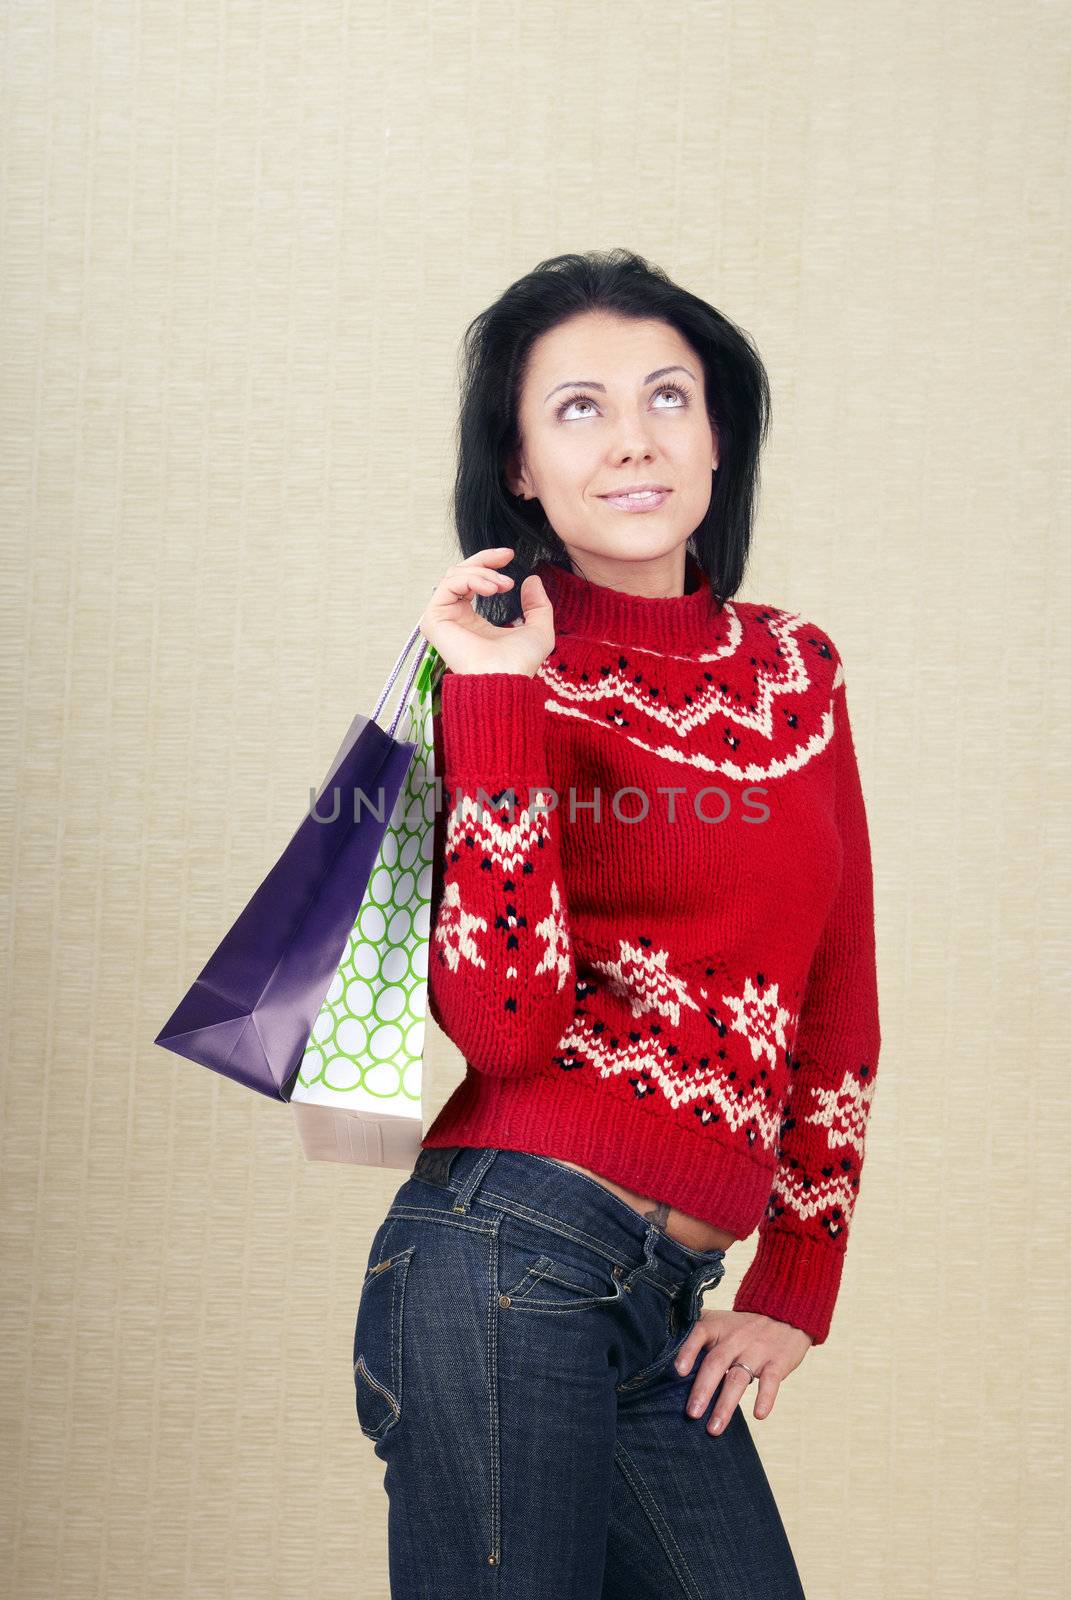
377, 1344
541, 1270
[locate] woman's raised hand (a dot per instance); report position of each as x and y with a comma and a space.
469, 643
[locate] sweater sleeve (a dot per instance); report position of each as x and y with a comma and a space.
501, 968
796, 1271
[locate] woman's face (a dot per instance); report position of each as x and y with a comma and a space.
608, 402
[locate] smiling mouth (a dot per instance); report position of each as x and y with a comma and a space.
638, 499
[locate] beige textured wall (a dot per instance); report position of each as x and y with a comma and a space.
239, 244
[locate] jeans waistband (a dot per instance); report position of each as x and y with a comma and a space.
545, 1188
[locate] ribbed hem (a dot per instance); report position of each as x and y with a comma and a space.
493, 726
569, 1117
794, 1280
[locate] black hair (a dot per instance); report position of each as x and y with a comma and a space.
494, 354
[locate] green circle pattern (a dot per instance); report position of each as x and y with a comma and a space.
367, 1043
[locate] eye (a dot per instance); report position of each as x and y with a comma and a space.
675, 388
683, 394
574, 400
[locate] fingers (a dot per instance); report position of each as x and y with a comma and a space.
475, 575
718, 1375
729, 1385
699, 1336
493, 552
732, 1387
478, 582
533, 594
768, 1385
460, 582
756, 1344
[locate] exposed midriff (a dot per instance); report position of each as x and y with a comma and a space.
687, 1230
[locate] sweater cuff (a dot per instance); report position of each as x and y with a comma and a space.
793, 1280
493, 727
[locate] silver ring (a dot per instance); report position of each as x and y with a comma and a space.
746, 1368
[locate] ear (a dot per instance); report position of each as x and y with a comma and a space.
514, 475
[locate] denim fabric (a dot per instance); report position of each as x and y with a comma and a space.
513, 1365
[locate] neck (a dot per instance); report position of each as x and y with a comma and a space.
661, 622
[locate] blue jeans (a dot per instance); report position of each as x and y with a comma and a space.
513, 1364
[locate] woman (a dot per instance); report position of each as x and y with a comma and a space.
652, 941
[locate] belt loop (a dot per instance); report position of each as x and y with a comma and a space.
707, 1275
468, 1189
648, 1266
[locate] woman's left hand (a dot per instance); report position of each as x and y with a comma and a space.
771, 1349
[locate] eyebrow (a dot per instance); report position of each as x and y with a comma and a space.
589, 383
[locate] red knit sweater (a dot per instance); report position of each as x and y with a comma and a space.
666, 972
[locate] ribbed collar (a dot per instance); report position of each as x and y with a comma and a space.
593, 610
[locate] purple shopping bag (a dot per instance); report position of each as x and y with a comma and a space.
251, 1009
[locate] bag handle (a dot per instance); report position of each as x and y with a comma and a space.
392, 675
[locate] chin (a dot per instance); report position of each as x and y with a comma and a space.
638, 544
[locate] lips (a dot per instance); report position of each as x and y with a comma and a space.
639, 500
635, 488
